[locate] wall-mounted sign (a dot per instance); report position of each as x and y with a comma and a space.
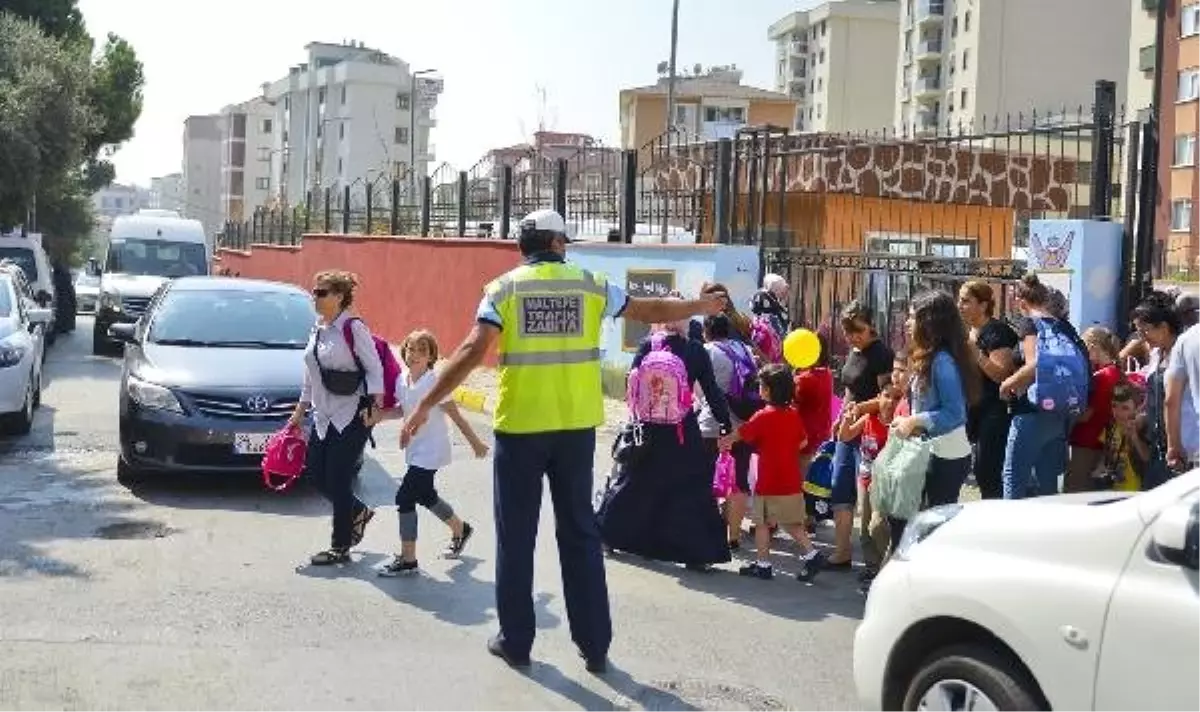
657, 283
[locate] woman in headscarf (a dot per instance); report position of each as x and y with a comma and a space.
660, 503
771, 302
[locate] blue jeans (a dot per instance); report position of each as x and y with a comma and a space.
564, 459
1035, 455
844, 494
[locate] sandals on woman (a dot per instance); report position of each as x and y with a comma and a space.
360, 526
329, 557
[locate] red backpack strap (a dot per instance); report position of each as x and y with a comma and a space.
348, 334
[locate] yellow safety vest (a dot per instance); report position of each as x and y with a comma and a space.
549, 348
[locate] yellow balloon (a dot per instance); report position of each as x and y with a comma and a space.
801, 348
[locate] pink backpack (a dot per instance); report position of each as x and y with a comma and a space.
391, 365
658, 391
765, 339
284, 457
724, 476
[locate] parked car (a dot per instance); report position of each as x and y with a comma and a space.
1084, 601
211, 370
23, 327
27, 252
87, 292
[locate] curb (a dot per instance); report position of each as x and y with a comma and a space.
472, 400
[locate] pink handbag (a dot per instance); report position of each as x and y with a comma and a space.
724, 476
284, 458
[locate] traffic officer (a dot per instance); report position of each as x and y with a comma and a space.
545, 316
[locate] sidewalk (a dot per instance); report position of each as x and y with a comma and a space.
479, 392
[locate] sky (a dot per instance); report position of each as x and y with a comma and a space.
201, 55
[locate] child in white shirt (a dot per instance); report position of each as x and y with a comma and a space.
426, 453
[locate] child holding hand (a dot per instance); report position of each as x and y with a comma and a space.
871, 430
777, 433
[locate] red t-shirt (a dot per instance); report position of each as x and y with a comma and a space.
813, 395
777, 434
874, 437
1087, 434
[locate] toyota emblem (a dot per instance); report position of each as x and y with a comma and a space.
258, 404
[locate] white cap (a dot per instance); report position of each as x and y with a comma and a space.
545, 220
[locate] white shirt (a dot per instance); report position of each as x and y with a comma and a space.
430, 448
329, 342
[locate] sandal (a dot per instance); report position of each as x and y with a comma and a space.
329, 557
360, 526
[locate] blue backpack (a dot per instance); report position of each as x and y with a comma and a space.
818, 482
1062, 379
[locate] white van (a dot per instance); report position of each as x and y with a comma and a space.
144, 250
27, 252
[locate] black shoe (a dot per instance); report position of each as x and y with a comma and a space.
495, 646
753, 570
846, 565
596, 665
398, 567
735, 545
810, 567
455, 548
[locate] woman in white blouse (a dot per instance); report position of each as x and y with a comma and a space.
343, 383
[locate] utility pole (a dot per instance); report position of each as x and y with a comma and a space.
670, 102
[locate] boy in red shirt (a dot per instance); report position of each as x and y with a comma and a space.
871, 430
1086, 439
777, 433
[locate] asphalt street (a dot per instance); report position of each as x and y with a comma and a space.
195, 593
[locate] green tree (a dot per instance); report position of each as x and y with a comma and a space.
61, 19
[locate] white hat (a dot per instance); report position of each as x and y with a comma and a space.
545, 220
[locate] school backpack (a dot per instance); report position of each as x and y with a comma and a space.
391, 365
1062, 378
766, 339
743, 396
818, 482
658, 391
284, 458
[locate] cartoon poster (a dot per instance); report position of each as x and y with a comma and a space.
1050, 243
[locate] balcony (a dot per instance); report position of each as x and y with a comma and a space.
427, 118
799, 47
929, 49
927, 87
925, 123
930, 12
1146, 59
717, 130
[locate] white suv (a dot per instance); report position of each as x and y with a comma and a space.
1072, 602
23, 327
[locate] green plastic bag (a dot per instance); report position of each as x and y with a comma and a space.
898, 476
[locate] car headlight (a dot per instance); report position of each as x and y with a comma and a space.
922, 526
150, 395
11, 354
110, 300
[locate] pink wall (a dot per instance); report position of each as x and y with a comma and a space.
405, 283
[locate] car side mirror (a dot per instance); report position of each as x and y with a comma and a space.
1176, 533
39, 315
43, 297
125, 333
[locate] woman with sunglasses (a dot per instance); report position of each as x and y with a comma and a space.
343, 387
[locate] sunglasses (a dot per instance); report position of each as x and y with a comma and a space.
321, 292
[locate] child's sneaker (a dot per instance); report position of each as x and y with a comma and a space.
757, 570
455, 548
397, 567
810, 566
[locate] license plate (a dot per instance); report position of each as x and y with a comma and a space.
250, 443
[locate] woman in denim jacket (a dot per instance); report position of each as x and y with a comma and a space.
944, 381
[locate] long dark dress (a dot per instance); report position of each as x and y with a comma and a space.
663, 507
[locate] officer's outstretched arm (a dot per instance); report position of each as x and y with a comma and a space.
465, 359
651, 310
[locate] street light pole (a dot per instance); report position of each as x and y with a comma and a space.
670, 101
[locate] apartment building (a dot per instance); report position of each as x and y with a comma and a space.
709, 105
963, 60
202, 139
1176, 223
838, 61
167, 193
115, 200
247, 138
349, 112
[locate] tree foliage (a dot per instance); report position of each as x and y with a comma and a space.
63, 113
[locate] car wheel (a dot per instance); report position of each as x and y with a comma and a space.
972, 677
37, 393
100, 345
21, 422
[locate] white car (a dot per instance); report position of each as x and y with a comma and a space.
23, 327
1073, 602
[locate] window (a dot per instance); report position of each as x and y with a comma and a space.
287, 103
822, 57
237, 154
1146, 58
341, 132
962, 100
402, 134
402, 102
399, 169
1189, 85
949, 105
822, 28
266, 126
820, 84
282, 319
1185, 150
1189, 20
966, 59
264, 153
1181, 215
321, 95
239, 126
320, 129
343, 95
340, 168
954, 27
818, 111
262, 183
237, 184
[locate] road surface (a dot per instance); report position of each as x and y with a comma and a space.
196, 594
